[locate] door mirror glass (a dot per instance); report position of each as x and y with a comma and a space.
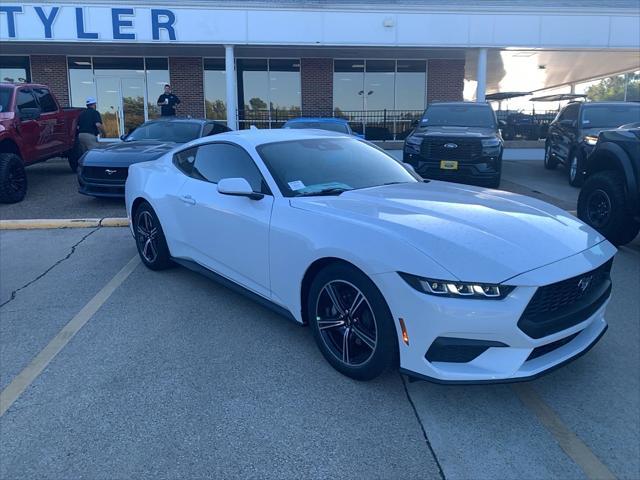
29, 113
239, 187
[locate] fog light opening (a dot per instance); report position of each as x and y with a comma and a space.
403, 327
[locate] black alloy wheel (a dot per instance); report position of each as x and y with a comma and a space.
13, 178
576, 175
598, 208
346, 322
150, 239
351, 322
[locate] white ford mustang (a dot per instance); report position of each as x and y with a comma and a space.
453, 283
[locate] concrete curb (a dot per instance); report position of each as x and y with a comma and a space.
37, 224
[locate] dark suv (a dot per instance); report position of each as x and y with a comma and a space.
574, 132
610, 197
457, 142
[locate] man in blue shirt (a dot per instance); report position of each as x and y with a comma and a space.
167, 102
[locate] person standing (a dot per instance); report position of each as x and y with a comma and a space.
89, 125
167, 102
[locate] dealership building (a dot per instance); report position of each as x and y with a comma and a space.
261, 62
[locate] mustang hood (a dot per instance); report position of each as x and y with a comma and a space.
126, 153
478, 235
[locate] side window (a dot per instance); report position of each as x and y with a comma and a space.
45, 99
222, 160
25, 99
571, 112
185, 159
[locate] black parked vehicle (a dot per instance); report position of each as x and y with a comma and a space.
610, 197
103, 172
457, 142
574, 132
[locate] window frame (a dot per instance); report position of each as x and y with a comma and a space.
29, 92
265, 190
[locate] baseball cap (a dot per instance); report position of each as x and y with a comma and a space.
91, 101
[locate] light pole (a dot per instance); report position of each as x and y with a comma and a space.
365, 95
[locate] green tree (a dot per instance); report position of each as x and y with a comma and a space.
257, 104
612, 88
216, 110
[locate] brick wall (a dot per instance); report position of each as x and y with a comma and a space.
52, 71
316, 78
187, 83
445, 80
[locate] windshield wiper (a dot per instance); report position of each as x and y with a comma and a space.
324, 191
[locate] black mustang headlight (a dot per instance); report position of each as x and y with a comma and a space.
454, 289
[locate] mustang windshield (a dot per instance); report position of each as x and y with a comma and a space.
177, 132
329, 166
458, 116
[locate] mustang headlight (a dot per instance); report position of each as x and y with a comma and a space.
413, 143
590, 140
454, 289
490, 142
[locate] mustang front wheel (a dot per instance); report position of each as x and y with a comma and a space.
150, 240
351, 322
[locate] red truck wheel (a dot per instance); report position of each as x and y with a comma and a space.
13, 178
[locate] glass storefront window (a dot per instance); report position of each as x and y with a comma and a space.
126, 88
14, 69
284, 86
157, 76
348, 81
215, 89
411, 81
379, 79
386, 84
268, 90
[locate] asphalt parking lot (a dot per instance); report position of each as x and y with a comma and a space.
169, 375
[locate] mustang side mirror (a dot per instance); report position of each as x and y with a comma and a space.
29, 113
238, 187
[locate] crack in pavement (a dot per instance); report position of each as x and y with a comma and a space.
424, 432
31, 282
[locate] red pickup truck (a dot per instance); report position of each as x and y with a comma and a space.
33, 128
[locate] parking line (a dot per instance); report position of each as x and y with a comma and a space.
575, 448
26, 377
53, 223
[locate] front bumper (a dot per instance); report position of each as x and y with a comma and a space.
482, 171
95, 188
506, 353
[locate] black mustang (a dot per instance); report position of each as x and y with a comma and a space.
102, 172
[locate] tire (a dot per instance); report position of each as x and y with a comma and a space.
495, 183
369, 331
601, 204
550, 162
73, 155
150, 239
575, 167
13, 178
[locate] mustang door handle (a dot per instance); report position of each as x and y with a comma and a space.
188, 199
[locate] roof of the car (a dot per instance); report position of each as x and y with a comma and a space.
595, 104
255, 137
317, 120
22, 84
458, 104
180, 120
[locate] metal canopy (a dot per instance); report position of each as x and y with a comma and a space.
558, 97
505, 95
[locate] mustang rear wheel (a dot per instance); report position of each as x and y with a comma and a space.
150, 240
351, 322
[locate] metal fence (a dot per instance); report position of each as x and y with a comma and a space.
525, 124
374, 124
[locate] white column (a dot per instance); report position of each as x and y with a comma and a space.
230, 72
481, 75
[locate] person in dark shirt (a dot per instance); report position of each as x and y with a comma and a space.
167, 102
89, 125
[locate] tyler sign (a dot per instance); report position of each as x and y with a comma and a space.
96, 23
